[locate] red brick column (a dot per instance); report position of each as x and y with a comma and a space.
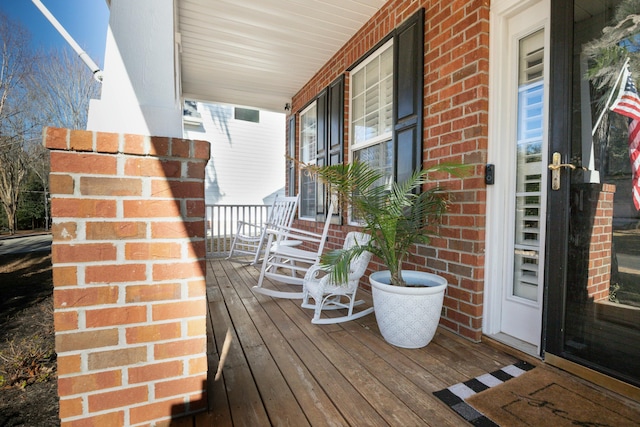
129, 276
599, 275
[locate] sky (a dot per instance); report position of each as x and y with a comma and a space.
85, 20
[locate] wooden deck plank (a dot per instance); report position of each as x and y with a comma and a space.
284, 370
216, 391
355, 374
346, 399
283, 333
307, 391
380, 371
277, 397
388, 406
245, 402
398, 383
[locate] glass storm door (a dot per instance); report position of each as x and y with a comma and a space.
593, 315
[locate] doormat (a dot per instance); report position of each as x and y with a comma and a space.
455, 396
540, 396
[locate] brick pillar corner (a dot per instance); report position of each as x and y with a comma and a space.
129, 276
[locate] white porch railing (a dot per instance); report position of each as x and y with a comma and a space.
222, 222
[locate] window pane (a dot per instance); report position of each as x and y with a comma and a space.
386, 112
357, 108
358, 83
372, 102
529, 167
308, 135
371, 125
386, 63
308, 153
372, 99
379, 156
372, 71
247, 114
307, 195
372, 113
359, 131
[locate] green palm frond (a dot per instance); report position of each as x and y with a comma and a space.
338, 261
396, 216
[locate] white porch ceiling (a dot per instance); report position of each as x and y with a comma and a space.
259, 53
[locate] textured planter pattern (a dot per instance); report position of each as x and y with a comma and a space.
408, 316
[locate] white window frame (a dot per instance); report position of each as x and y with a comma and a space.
312, 159
381, 138
353, 145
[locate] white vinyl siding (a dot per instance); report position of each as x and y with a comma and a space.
247, 164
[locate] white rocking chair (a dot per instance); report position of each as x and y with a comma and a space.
250, 238
328, 295
285, 262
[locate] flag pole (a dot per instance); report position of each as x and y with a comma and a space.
606, 106
97, 73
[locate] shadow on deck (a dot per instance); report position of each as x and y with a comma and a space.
283, 370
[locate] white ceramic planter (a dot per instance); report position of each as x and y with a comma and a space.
408, 316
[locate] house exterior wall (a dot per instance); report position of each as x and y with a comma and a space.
247, 159
140, 91
129, 276
456, 64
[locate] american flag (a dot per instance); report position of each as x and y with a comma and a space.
627, 103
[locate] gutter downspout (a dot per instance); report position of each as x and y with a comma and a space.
97, 73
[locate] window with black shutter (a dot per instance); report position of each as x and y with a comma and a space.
386, 101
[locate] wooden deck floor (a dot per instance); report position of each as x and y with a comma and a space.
283, 370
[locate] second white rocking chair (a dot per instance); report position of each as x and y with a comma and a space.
328, 295
250, 238
285, 262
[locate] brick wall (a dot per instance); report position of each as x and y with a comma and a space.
129, 276
599, 268
456, 65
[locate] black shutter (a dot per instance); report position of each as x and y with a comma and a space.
321, 144
335, 135
408, 61
291, 152
330, 108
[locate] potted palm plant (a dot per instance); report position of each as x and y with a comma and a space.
396, 216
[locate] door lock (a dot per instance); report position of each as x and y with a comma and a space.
555, 167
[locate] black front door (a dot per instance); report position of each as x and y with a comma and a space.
592, 279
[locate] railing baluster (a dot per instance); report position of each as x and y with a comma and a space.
222, 223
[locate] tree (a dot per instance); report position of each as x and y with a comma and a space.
36, 90
31, 213
40, 167
16, 65
64, 86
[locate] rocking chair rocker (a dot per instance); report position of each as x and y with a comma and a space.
250, 238
285, 262
328, 295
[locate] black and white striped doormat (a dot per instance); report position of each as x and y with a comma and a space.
456, 395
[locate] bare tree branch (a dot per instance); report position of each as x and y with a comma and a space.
16, 65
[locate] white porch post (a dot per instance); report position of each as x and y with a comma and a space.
141, 87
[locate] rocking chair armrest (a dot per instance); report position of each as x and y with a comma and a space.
252, 230
295, 233
313, 272
242, 224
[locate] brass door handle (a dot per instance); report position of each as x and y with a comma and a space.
561, 165
555, 167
